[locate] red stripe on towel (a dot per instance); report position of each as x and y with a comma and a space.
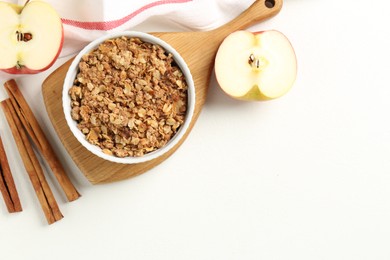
108, 25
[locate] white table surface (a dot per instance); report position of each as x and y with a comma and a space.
306, 176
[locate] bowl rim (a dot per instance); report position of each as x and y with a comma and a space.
94, 149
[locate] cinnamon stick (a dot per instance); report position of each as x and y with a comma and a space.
31, 163
7, 184
39, 139
6, 195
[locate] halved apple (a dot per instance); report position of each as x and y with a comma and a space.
31, 37
256, 66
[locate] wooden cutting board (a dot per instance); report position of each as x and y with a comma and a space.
198, 49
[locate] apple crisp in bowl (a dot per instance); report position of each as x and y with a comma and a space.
128, 97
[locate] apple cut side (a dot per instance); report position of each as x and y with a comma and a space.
256, 66
31, 37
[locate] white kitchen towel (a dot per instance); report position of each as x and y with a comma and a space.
86, 20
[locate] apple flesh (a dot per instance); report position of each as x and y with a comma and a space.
256, 66
31, 37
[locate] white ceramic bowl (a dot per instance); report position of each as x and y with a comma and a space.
73, 70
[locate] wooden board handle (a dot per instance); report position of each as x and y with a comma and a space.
260, 10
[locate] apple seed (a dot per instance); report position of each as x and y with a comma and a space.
27, 37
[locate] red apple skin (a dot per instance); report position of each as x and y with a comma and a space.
25, 70
259, 32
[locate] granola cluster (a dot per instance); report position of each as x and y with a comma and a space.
129, 97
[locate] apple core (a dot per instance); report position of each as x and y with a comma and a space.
23, 37
257, 63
